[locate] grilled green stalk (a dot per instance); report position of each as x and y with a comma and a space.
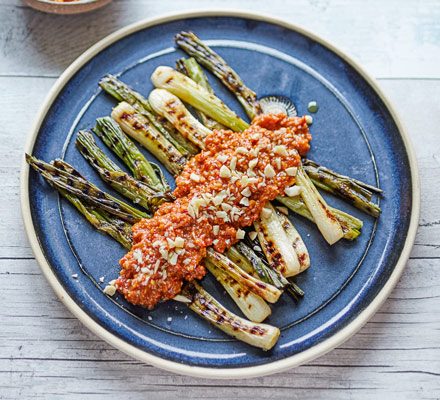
190, 68
325, 220
73, 183
122, 92
170, 107
266, 273
250, 304
102, 221
360, 187
259, 335
197, 96
296, 240
342, 186
236, 285
351, 226
276, 244
267, 291
192, 45
112, 135
137, 191
137, 126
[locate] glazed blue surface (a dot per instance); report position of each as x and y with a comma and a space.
353, 133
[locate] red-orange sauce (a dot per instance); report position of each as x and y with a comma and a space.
222, 189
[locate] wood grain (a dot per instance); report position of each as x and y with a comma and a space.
46, 353
390, 38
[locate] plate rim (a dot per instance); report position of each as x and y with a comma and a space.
209, 372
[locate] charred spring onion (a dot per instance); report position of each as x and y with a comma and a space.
197, 96
325, 220
122, 92
276, 244
192, 45
171, 108
137, 126
137, 191
353, 191
250, 304
190, 68
351, 226
193, 295
112, 135
259, 335
73, 183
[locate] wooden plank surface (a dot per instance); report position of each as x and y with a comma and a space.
392, 38
46, 353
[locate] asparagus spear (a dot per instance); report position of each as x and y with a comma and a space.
357, 193
190, 68
197, 96
191, 44
137, 191
122, 92
126, 150
72, 182
139, 128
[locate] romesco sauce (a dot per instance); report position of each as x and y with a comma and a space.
222, 189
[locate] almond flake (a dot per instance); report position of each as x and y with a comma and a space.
266, 212
215, 229
253, 235
253, 163
173, 259
281, 150
221, 214
241, 150
244, 201
246, 192
225, 172
292, 191
109, 290
278, 162
240, 234
222, 158
233, 163
179, 241
269, 172
194, 177
291, 171
226, 207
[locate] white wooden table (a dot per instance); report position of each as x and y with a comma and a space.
46, 353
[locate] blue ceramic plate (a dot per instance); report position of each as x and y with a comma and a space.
354, 132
